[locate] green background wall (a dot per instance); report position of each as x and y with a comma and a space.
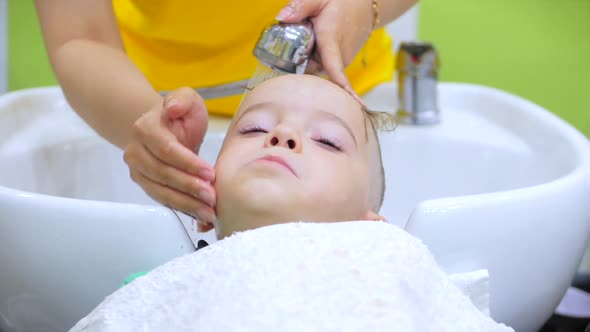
28, 65
538, 49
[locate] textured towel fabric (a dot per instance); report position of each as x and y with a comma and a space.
349, 276
476, 286
200, 245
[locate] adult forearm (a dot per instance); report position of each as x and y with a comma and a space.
390, 10
104, 87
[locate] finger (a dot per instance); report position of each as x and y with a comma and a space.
164, 146
186, 114
333, 64
175, 199
298, 10
178, 102
205, 227
141, 160
314, 67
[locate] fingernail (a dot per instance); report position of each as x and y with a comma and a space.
205, 219
200, 220
285, 12
361, 101
171, 103
206, 196
208, 174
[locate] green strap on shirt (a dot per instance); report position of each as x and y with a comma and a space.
133, 277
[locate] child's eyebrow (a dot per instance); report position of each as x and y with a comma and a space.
340, 121
269, 104
264, 104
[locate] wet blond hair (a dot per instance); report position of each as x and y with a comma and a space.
379, 121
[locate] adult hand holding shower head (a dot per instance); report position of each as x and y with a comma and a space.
286, 47
282, 48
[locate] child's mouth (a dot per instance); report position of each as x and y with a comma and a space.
279, 161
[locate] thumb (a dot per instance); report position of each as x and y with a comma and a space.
298, 10
178, 103
186, 114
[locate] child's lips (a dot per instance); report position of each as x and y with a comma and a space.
278, 160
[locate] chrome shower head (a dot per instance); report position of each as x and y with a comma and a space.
286, 46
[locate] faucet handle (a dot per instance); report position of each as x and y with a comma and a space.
417, 75
286, 46
418, 58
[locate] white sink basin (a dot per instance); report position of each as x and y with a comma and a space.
500, 184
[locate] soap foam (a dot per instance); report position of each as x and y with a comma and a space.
349, 276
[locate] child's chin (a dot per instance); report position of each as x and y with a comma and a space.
270, 185
246, 188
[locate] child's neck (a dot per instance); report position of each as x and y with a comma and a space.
239, 220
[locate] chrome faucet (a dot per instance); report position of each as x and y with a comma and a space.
417, 75
286, 47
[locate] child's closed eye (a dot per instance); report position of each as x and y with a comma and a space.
253, 129
329, 143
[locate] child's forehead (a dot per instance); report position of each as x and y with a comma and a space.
303, 92
300, 86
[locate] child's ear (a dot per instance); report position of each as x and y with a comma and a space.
370, 215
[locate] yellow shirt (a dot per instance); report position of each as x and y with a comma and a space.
206, 43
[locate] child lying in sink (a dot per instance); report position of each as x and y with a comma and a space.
309, 152
298, 149
298, 155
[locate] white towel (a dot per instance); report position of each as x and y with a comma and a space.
348, 276
476, 286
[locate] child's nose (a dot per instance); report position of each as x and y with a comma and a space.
284, 137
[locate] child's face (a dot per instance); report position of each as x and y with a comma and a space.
297, 149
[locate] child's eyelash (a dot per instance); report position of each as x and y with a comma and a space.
252, 129
329, 143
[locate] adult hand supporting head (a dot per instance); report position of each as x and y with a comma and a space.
162, 156
341, 28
